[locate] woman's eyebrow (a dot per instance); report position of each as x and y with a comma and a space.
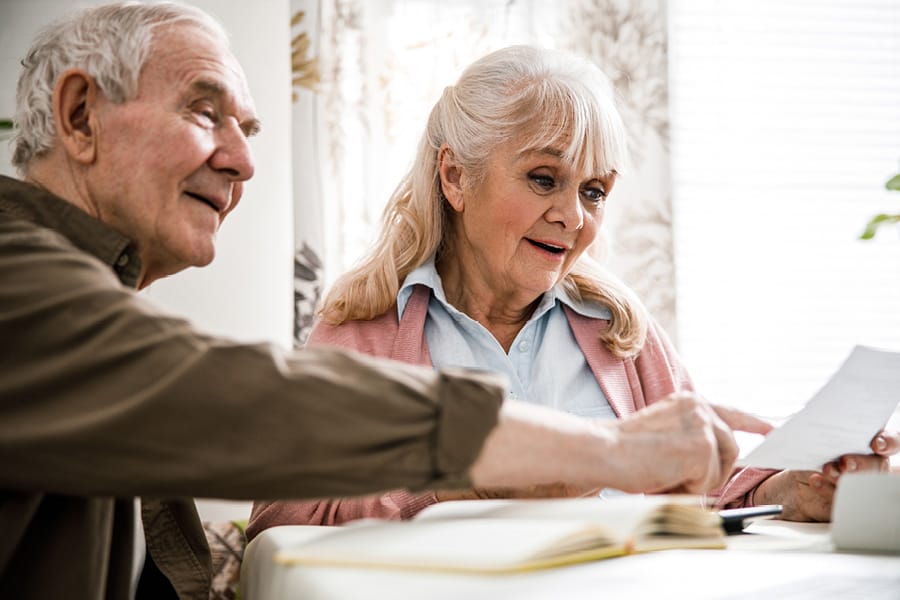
548, 150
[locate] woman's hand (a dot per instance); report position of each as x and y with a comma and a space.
808, 495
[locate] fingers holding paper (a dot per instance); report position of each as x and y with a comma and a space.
886, 443
808, 495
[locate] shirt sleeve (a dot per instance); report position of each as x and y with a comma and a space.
392, 506
103, 394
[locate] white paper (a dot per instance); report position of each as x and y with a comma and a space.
842, 418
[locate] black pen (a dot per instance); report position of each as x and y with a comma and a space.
733, 518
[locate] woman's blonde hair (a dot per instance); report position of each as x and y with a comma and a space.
543, 97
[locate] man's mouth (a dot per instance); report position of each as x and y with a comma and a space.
205, 200
548, 247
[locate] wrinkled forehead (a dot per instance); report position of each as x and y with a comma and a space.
186, 52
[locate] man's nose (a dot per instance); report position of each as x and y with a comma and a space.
233, 155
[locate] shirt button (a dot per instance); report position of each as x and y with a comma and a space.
523, 346
122, 260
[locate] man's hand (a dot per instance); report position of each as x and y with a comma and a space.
809, 495
681, 444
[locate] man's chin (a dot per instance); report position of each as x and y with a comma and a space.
202, 253
204, 260
195, 258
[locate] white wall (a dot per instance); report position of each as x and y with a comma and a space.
247, 292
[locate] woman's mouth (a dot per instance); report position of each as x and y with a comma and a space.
546, 246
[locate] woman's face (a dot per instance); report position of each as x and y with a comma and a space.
520, 229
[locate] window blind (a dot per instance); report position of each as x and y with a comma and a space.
785, 122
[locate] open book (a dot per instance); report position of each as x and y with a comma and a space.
499, 536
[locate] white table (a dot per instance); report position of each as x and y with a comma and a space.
777, 560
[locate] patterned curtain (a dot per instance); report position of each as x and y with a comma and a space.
366, 73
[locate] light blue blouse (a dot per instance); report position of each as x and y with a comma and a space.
545, 365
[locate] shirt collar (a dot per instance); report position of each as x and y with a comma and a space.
34, 204
426, 274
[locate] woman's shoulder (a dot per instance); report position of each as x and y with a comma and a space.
372, 336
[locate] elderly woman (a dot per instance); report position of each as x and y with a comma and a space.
481, 262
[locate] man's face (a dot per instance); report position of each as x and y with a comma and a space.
171, 161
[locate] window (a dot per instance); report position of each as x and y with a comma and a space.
785, 127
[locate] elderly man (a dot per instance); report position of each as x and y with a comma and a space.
132, 147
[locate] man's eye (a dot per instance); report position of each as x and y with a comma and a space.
594, 194
207, 113
542, 181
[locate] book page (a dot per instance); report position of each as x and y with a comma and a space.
474, 545
495, 536
624, 516
842, 418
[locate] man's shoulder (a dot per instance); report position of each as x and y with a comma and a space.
30, 215
32, 252
19, 232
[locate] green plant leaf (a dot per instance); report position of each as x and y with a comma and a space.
893, 183
876, 222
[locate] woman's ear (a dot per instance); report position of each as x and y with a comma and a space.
74, 102
451, 178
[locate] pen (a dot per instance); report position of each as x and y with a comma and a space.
733, 518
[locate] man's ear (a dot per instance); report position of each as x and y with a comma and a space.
451, 178
74, 103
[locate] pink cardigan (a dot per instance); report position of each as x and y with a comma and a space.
629, 384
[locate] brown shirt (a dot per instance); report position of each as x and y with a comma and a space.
104, 398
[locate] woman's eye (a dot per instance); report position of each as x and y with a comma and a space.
544, 182
594, 194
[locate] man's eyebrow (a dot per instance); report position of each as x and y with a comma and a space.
250, 126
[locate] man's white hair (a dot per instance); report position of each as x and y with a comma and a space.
111, 42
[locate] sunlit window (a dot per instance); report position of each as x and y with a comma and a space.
785, 127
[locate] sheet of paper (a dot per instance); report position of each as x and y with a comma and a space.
842, 418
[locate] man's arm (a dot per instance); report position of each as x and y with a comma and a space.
678, 444
102, 394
